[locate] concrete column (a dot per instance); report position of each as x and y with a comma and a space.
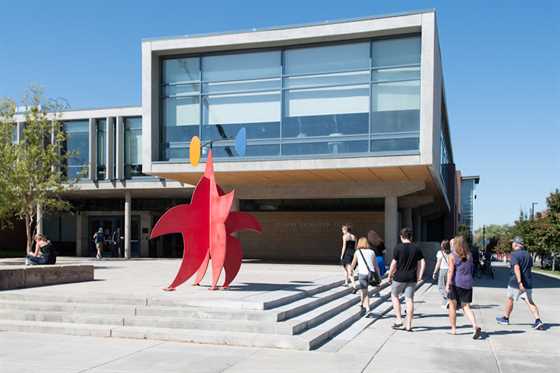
391, 224
407, 218
110, 149
39, 220
79, 247
119, 146
127, 222
92, 149
145, 228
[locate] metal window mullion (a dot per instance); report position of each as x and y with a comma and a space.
395, 81
310, 87
332, 72
370, 101
200, 104
92, 149
394, 67
282, 100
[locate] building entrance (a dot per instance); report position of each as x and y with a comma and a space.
109, 224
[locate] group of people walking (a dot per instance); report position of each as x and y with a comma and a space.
104, 239
454, 272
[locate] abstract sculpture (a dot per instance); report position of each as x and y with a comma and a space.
206, 225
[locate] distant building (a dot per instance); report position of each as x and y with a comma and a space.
346, 123
468, 196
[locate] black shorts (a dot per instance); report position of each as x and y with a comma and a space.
462, 296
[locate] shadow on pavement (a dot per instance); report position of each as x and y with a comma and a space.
486, 333
501, 278
255, 286
484, 306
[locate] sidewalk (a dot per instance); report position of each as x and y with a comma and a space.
377, 349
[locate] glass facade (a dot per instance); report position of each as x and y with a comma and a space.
77, 145
467, 203
101, 126
349, 98
14, 134
133, 147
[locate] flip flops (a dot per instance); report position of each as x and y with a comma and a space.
477, 333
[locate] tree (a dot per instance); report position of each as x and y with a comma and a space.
32, 170
550, 226
496, 231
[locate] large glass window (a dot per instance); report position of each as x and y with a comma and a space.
133, 147
180, 105
342, 98
395, 94
101, 125
243, 90
327, 99
77, 146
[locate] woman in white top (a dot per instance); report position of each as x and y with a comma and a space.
442, 266
364, 258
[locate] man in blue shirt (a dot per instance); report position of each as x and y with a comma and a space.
520, 283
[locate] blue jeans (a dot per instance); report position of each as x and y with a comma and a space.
37, 260
381, 264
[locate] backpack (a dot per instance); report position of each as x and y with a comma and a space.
98, 238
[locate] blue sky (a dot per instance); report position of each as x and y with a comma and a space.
501, 66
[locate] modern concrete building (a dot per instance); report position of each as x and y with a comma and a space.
468, 197
346, 123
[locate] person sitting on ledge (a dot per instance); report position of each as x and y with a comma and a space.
44, 252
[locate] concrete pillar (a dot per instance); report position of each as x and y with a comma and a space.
391, 224
407, 217
110, 149
92, 149
79, 246
119, 146
127, 223
39, 219
145, 228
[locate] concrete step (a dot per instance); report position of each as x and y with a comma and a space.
347, 335
326, 311
165, 334
306, 304
257, 302
134, 310
331, 327
265, 327
307, 323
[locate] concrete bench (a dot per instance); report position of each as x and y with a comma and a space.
18, 277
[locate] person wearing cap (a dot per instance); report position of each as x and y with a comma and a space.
520, 283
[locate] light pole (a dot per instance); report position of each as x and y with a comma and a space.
533, 210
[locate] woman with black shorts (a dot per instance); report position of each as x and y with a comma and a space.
347, 254
460, 284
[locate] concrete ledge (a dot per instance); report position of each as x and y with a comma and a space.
18, 277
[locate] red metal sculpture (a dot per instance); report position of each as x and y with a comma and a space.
206, 225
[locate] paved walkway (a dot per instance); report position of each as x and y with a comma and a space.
143, 279
430, 348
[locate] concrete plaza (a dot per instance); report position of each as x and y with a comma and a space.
430, 348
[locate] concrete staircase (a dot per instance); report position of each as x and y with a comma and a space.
302, 321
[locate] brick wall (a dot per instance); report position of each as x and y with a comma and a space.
306, 235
